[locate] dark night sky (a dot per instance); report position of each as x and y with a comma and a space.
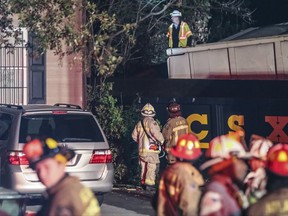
270, 11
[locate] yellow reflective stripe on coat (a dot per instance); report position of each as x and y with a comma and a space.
188, 33
180, 127
88, 200
151, 151
182, 29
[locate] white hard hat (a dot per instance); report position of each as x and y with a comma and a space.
222, 147
176, 13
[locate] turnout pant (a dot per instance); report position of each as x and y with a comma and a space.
148, 169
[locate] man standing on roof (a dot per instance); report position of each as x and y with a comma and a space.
179, 34
149, 138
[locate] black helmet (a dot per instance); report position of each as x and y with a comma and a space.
37, 150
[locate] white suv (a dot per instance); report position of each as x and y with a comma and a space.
70, 126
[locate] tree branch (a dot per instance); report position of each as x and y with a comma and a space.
171, 2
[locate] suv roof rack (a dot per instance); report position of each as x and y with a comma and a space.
11, 106
68, 105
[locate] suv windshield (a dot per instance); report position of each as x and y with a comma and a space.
62, 127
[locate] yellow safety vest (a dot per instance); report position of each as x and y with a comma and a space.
184, 33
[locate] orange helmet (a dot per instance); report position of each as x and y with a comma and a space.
187, 147
259, 146
224, 147
277, 159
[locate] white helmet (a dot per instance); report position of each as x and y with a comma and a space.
176, 13
222, 148
148, 110
259, 146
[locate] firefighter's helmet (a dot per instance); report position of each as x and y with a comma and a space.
259, 146
277, 159
37, 150
224, 147
174, 109
176, 13
187, 147
148, 110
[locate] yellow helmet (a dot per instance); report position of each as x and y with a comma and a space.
148, 110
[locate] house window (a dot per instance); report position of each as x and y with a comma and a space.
14, 73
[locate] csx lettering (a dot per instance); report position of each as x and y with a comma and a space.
278, 123
203, 119
235, 121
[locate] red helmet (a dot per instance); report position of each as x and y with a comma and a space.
277, 159
187, 147
174, 109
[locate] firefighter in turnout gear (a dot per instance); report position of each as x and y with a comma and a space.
226, 167
275, 201
175, 126
65, 195
149, 138
179, 34
256, 180
179, 191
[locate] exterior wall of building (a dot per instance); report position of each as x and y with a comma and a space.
64, 80
25, 79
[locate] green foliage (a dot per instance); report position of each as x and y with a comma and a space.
110, 117
50, 21
107, 111
9, 35
120, 167
131, 116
